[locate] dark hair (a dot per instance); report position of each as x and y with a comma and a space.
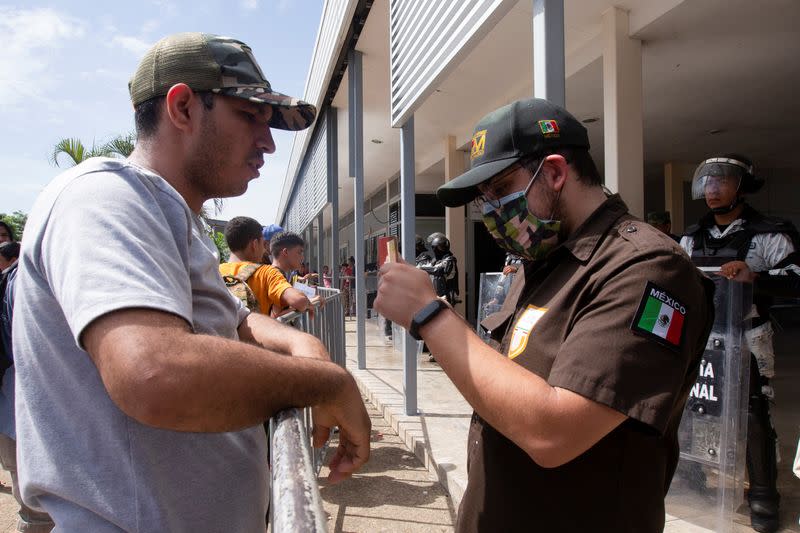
9, 229
9, 250
147, 114
239, 231
580, 160
284, 239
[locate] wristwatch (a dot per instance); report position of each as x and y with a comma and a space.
425, 315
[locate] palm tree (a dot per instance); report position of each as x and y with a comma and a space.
121, 145
76, 151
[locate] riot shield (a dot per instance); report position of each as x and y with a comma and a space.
492, 293
708, 485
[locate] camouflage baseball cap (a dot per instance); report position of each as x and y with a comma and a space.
217, 64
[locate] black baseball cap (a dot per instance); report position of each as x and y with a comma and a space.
529, 127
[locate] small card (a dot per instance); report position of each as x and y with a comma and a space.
310, 292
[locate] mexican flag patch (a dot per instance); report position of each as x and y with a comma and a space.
660, 316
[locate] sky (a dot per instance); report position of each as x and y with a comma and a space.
65, 66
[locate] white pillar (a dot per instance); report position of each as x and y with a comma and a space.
548, 51
622, 110
454, 218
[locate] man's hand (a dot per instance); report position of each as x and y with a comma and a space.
346, 411
403, 290
737, 271
510, 269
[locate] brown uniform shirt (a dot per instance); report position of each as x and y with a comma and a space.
618, 315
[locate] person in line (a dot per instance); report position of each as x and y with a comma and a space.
288, 250
662, 221
761, 252
578, 399
270, 288
268, 232
6, 232
30, 521
142, 384
326, 277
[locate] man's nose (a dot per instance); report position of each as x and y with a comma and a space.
266, 142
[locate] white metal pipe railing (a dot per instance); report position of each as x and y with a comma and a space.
296, 504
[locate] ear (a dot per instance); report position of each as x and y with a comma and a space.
556, 169
181, 104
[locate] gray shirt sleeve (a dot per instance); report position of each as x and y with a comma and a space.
125, 248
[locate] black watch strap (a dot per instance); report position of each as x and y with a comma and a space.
425, 315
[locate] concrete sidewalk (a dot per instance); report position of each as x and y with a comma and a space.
438, 436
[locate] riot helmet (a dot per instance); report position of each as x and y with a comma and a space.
727, 171
439, 243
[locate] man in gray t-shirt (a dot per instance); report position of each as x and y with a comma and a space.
142, 383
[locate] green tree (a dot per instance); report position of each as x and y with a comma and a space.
76, 152
222, 246
17, 221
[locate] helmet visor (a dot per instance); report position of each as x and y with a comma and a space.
717, 173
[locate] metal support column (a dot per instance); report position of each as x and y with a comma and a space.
408, 225
356, 110
333, 191
548, 51
320, 246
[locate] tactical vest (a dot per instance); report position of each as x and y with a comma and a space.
708, 251
712, 252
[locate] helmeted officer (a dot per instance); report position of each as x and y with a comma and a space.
442, 267
762, 251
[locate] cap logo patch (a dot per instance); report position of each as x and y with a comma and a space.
478, 144
549, 128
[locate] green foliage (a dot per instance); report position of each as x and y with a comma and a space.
222, 246
77, 152
17, 222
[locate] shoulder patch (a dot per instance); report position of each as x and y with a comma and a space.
660, 317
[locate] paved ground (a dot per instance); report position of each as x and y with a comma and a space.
8, 506
394, 492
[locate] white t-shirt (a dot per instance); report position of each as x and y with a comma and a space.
103, 236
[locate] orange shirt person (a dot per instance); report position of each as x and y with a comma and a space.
246, 241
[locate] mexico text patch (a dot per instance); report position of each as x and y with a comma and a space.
660, 316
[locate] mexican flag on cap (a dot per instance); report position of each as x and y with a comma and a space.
660, 315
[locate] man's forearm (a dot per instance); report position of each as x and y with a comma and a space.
242, 385
539, 418
274, 335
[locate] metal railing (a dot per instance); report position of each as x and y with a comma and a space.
296, 504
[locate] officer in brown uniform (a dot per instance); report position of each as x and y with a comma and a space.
577, 410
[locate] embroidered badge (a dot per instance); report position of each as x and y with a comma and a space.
549, 128
478, 144
660, 316
523, 328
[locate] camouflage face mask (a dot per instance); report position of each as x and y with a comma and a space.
517, 230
